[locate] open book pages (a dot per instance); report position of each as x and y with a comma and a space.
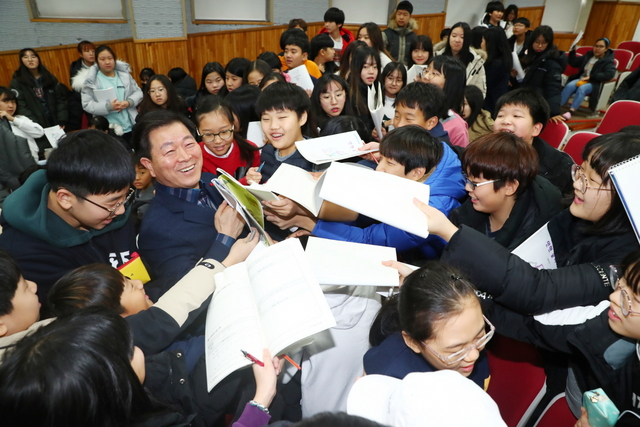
346, 263
415, 71
381, 196
537, 250
272, 300
300, 76
333, 147
625, 177
375, 102
295, 183
242, 201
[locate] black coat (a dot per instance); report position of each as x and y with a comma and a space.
533, 208
56, 96
629, 88
544, 74
554, 165
603, 70
581, 277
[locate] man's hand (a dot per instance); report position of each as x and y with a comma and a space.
228, 221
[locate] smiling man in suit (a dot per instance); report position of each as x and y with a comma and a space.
187, 219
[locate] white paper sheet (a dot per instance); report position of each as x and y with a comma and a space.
346, 263
333, 147
537, 250
300, 76
517, 66
625, 177
104, 96
297, 184
382, 196
255, 134
54, 134
375, 102
577, 39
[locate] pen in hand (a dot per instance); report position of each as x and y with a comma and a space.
252, 358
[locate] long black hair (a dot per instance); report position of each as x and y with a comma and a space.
551, 50
430, 294
317, 117
465, 52
210, 67
357, 88
455, 75
174, 103
24, 75
498, 48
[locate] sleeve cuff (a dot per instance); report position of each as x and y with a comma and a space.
228, 241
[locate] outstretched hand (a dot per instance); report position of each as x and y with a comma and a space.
242, 248
438, 223
403, 269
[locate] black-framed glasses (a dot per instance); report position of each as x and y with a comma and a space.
475, 185
224, 135
112, 211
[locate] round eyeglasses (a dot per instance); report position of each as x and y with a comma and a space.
224, 135
579, 176
625, 298
112, 211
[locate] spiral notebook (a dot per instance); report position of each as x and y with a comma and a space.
626, 176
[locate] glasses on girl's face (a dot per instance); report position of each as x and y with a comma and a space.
224, 135
391, 80
625, 298
336, 95
160, 90
579, 176
112, 211
459, 356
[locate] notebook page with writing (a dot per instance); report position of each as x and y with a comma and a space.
625, 177
271, 300
381, 196
334, 262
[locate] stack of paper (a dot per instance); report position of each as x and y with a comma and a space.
333, 147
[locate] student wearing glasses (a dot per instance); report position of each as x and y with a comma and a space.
74, 213
588, 237
595, 67
222, 145
434, 323
507, 201
601, 342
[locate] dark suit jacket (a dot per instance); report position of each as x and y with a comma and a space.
176, 234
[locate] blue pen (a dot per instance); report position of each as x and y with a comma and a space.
260, 168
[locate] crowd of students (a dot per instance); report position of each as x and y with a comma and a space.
81, 344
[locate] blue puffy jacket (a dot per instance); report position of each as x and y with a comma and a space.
447, 186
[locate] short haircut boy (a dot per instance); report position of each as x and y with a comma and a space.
523, 21
412, 147
333, 14
427, 98
152, 121
504, 157
405, 5
90, 162
319, 42
271, 59
9, 277
529, 98
283, 96
85, 45
291, 32
298, 40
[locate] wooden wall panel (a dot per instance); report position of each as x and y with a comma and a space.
615, 20
564, 40
430, 25
161, 56
533, 14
